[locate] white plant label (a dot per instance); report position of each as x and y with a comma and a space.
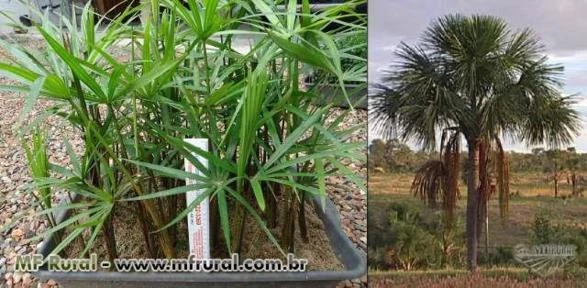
199, 217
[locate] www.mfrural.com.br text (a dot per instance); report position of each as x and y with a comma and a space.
31, 263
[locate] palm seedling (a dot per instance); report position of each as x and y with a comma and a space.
182, 76
38, 161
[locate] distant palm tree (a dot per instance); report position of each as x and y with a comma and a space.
474, 79
554, 166
573, 162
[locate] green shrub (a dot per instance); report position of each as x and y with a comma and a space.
576, 237
501, 256
413, 245
407, 236
576, 272
542, 229
547, 233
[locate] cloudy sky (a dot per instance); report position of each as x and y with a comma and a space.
561, 25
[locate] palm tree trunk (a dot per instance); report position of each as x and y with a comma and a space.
555, 186
483, 189
574, 184
486, 229
472, 204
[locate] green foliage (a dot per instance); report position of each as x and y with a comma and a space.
500, 256
577, 272
182, 78
546, 232
38, 161
413, 246
537, 161
395, 156
542, 230
486, 277
579, 239
408, 236
354, 53
468, 67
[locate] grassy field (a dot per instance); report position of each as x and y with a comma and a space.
486, 278
532, 195
526, 184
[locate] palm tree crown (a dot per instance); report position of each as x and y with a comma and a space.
474, 75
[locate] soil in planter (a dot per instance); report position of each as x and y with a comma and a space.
130, 242
318, 251
256, 244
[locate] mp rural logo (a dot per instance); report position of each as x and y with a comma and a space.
545, 259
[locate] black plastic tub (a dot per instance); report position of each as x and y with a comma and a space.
353, 260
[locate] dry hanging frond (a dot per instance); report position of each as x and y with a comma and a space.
428, 182
485, 189
484, 175
451, 159
438, 179
503, 180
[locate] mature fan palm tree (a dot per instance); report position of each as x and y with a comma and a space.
473, 78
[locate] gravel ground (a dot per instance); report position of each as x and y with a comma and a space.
351, 201
15, 200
